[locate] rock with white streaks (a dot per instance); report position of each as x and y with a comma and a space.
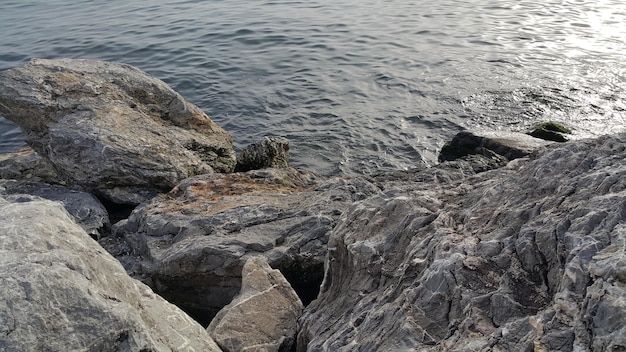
263, 316
525, 257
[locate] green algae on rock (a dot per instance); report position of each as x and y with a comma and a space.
550, 131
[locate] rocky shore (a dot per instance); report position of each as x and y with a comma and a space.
133, 225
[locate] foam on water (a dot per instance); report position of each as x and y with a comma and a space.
356, 86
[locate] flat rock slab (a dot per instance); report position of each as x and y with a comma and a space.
61, 291
193, 242
487, 150
526, 257
111, 128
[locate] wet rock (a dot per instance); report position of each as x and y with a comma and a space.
270, 152
85, 209
60, 291
489, 150
550, 131
27, 165
525, 257
111, 128
263, 316
194, 241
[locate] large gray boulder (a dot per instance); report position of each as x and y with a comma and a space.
85, 209
111, 128
263, 316
522, 258
190, 245
60, 291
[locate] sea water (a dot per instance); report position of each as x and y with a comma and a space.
357, 86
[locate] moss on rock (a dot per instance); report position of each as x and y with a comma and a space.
550, 131
553, 126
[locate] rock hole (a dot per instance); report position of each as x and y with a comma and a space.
305, 281
117, 212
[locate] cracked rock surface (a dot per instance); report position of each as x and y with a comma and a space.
190, 245
527, 257
111, 128
60, 291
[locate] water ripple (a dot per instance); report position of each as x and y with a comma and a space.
357, 86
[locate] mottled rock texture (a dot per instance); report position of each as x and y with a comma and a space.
193, 242
60, 291
85, 209
529, 257
111, 128
270, 152
27, 165
263, 316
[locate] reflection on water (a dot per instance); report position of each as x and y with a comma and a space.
357, 86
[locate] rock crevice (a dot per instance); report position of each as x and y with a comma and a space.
506, 264
509, 243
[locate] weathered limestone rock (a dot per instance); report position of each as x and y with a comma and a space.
270, 152
27, 165
489, 150
193, 242
60, 291
112, 128
526, 257
263, 316
85, 209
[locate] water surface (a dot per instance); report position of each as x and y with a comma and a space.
356, 86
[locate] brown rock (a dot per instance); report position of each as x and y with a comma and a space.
193, 242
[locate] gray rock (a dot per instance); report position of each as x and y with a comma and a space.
112, 128
270, 152
525, 257
489, 150
61, 291
27, 165
511, 145
85, 209
192, 243
263, 316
